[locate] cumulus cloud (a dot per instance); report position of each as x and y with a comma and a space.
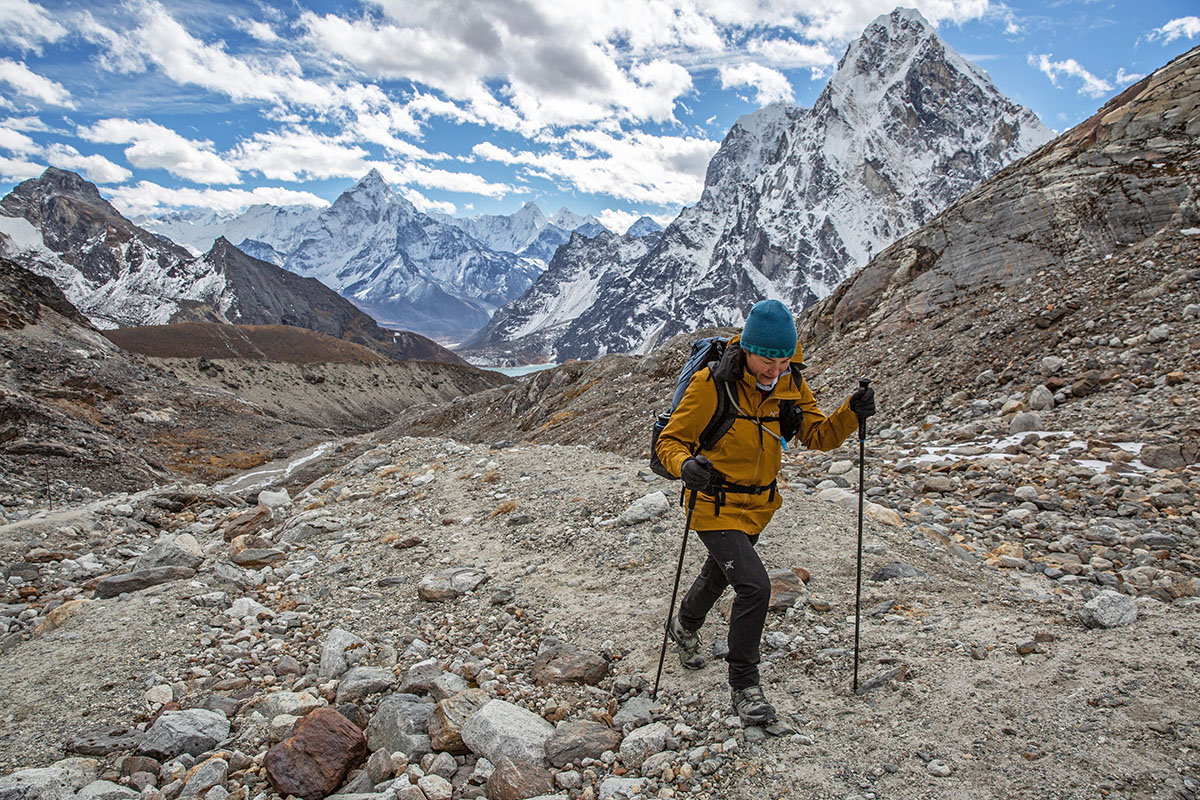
153, 146
410, 174
14, 141
1125, 78
1177, 28
770, 85
300, 154
639, 167
27, 25
95, 168
19, 169
1090, 85
28, 83
147, 197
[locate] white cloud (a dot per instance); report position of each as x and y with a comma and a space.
154, 146
1182, 26
424, 204
408, 174
639, 167
617, 220
16, 142
259, 30
1125, 78
28, 25
147, 197
770, 85
95, 168
17, 169
27, 82
1091, 85
789, 54
300, 154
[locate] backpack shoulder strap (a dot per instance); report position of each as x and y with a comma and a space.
722, 418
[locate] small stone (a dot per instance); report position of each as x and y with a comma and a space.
1109, 609
938, 768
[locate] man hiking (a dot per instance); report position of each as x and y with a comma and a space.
735, 482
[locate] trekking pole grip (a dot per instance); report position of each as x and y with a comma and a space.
863, 383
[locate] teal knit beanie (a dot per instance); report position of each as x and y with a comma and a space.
770, 331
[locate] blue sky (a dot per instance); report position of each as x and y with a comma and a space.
609, 107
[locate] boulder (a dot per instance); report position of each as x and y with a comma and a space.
314, 760
140, 579
450, 584
576, 740
563, 665
448, 718
643, 742
501, 729
399, 724
360, 682
176, 732
340, 651
644, 509
1108, 609
516, 780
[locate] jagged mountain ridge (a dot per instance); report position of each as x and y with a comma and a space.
525, 329
406, 268
527, 233
120, 275
197, 228
796, 199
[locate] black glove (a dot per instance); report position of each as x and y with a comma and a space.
699, 474
862, 402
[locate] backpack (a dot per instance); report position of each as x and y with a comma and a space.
707, 352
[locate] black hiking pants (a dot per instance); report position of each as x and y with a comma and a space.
732, 561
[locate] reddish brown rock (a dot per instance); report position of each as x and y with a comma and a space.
568, 666
517, 780
314, 760
247, 522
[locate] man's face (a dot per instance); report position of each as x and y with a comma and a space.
766, 370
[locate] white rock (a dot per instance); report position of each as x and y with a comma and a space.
274, 499
1052, 364
1109, 609
643, 742
644, 509
502, 729
1041, 399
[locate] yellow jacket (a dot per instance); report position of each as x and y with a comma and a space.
744, 456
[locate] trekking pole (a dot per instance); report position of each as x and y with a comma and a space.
662, 654
862, 439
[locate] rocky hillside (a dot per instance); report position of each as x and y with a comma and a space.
211, 340
80, 416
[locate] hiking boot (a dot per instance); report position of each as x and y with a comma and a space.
752, 707
688, 644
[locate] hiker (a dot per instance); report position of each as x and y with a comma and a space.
735, 482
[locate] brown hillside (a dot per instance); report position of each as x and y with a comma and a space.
254, 342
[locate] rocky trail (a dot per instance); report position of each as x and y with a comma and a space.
512, 597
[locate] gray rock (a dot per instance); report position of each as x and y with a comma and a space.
172, 551
636, 712
619, 788
502, 729
1025, 421
340, 651
274, 499
296, 704
450, 584
205, 775
103, 741
399, 724
576, 740
1041, 399
897, 569
105, 790
176, 732
645, 509
642, 743
1050, 365
360, 682
140, 579
447, 685
1108, 609
421, 676
47, 783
